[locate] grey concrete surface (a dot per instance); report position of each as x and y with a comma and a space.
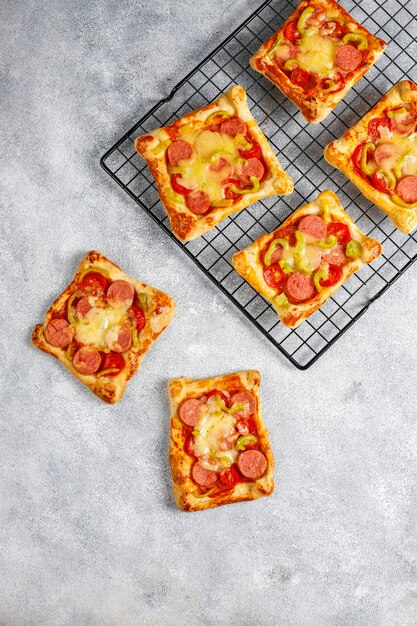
89, 533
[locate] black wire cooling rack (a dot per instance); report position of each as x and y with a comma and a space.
299, 147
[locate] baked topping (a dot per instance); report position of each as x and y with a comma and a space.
214, 165
219, 432
388, 161
104, 318
304, 257
319, 50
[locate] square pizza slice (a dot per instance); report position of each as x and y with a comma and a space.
318, 54
103, 324
379, 155
219, 448
302, 263
210, 163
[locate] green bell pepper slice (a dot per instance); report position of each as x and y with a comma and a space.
328, 243
354, 249
321, 274
397, 171
327, 217
213, 116
246, 440
274, 245
302, 20
357, 38
281, 300
403, 204
71, 315
286, 266
367, 168
291, 64
242, 143
143, 299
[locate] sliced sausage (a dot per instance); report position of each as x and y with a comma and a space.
245, 398
335, 256
190, 411
299, 287
83, 307
233, 126
87, 360
348, 58
198, 202
120, 292
252, 464
386, 155
313, 225
119, 339
178, 151
407, 189
59, 333
404, 124
203, 476
254, 167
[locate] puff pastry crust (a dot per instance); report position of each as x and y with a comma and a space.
339, 153
317, 105
185, 224
159, 314
185, 489
247, 262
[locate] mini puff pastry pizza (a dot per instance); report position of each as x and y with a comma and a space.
317, 56
219, 449
102, 325
210, 163
379, 155
301, 264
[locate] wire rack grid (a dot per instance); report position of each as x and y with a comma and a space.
299, 147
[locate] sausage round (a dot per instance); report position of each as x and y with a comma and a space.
202, 476
233, 126
386, 155
335, 256
404, 124
190, 411
407, 189
254, 167
178, 151
348, 58
252, 464
83, 307
299, 287
59, 333
198, 202
120, 291
87, 360
313, 225
122, 342
245, 398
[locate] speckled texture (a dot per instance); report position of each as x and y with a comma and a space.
89, 533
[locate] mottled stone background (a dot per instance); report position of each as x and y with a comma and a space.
89, 533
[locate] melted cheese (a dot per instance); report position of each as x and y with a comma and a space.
316, 53
196, 172
214, 426
405, 151
100, 326
308, 258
